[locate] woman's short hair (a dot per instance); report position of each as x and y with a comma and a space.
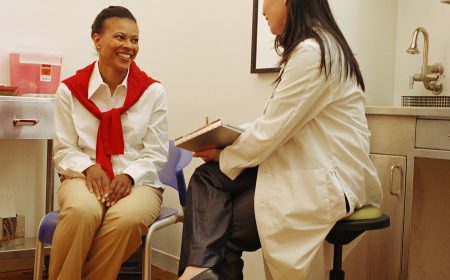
111, 11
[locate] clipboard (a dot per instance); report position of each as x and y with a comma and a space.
215, 135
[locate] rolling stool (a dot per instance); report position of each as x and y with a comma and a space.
344, 231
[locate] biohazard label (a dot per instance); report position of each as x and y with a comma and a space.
46, 73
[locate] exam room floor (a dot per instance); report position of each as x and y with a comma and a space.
157, 274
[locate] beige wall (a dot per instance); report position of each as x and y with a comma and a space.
200, 51
369, 27
433, 16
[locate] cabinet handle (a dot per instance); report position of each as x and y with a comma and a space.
25, 122
393, 167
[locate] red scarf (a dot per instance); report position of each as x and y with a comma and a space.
109, 135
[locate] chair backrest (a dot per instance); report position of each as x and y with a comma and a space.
172, 174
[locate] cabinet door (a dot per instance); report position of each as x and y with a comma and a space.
377, 255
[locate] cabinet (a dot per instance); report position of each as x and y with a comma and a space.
429, 245
410, 148
24, 119
378, 254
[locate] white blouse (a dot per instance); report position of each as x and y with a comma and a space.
145, 131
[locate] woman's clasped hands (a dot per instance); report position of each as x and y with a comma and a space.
106, 190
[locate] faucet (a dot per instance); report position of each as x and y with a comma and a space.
430, 75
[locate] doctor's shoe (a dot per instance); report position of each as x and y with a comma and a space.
208, 274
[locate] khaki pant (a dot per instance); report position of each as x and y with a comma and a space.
92, 241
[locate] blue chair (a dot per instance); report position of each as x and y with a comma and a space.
171, 175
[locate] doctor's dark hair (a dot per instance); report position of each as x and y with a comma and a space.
304, 21
111, 11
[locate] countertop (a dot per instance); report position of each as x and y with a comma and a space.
427, 112
30, 98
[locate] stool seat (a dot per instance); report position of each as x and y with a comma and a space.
365, 218
344, 231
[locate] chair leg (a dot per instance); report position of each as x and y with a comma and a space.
337, 273
38, 256
147, 256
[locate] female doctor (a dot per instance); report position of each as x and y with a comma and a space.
311, 150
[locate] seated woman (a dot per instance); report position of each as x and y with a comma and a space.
301, 166
110, 142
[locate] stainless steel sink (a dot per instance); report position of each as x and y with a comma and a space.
426, 101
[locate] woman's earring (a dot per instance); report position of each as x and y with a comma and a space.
98, 48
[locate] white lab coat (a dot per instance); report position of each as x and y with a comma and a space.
312, 147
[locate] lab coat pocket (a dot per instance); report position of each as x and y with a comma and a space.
307, 197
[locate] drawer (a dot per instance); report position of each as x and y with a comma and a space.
26, 118
433, 134
385, 137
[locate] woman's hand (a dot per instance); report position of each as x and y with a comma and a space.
208, 155
97, 181
120, 187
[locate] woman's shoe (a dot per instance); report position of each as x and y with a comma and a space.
208, 274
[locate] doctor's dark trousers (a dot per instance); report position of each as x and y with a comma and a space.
219, 221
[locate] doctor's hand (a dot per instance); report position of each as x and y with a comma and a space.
97, 181
120, 187
208, 155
